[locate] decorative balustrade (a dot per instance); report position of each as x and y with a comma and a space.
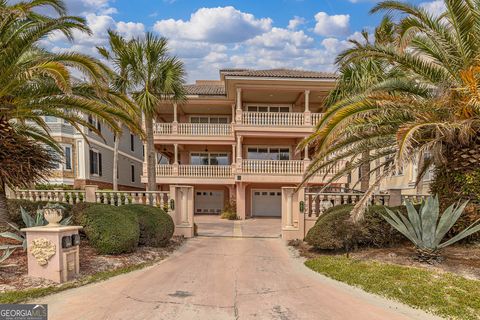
317, 203
193, 129
164, 170
294, 167
162, 128
273, 118
118, 198
204, 129
67, 196
414, 198
222, 171
316, 118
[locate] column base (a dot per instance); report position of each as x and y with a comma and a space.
184, 230
291, 233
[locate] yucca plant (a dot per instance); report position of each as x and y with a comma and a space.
427, 228
38, 221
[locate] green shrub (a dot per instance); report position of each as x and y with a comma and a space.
109, 229
156, 227
230, 211
13, 207
334, 230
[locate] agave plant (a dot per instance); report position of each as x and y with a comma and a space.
30, 222
426, 228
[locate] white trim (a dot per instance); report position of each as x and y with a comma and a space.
64, 145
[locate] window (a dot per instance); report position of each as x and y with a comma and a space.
95, 163
268, 109
50, 119
67, 149
132, 142
132, 168
212, 159
162, 159
208, 119
268, 153
94, 122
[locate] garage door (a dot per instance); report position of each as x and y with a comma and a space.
209, 201
267, 203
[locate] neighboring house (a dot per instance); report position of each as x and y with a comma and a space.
91, 162
236, 138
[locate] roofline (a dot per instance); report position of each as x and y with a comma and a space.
231, 77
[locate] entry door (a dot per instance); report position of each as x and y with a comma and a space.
267, 202
209, 201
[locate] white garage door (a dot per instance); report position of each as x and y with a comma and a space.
267, 203
209, 201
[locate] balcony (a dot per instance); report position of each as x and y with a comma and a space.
176, 132
195, 174
276, 119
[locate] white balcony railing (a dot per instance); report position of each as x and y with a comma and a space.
201, 171
316, 118
162, 128
204, 129
164, 170
204, 171
294, 167
68, 196
273, 118
193, 129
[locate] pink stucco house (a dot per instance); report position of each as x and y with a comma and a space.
236, 138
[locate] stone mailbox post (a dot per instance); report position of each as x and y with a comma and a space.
53, 250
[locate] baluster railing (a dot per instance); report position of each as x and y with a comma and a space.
272, 166
162, 128
288, 119
204, 129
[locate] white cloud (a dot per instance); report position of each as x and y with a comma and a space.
294, 23
130, 29
216, 25
279, 38
334, 25
434, 7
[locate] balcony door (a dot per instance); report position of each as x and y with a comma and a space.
268, 153
268, 108
209, 158
208, 119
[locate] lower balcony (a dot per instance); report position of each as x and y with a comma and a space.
261, 171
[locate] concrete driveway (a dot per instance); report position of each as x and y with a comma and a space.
224, 278
213, 226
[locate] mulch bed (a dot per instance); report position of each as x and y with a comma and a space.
461, 259
13, 272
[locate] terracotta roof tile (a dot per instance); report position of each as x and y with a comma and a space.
203, 89
279, 73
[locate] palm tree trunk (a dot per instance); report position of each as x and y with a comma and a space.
151, 176
365, 173
115, 162
4, 217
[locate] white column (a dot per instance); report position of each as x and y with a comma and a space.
307, 100
238, 115
184, 216
233, 154
233, 113
175, 148
289, 217
175, 113
306, 153
307, 114
239, 148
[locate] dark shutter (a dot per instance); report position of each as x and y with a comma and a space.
99, 126
99, 164
133, 173
91, 162
90, 120
132, 142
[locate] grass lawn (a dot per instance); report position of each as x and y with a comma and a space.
443, 294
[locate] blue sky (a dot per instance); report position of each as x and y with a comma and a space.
212, 34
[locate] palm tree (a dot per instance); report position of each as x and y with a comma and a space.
36, 83
150, 76
118, 56
430, 103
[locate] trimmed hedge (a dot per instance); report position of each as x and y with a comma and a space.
13, 207
334, 230
110, 230
156, 227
